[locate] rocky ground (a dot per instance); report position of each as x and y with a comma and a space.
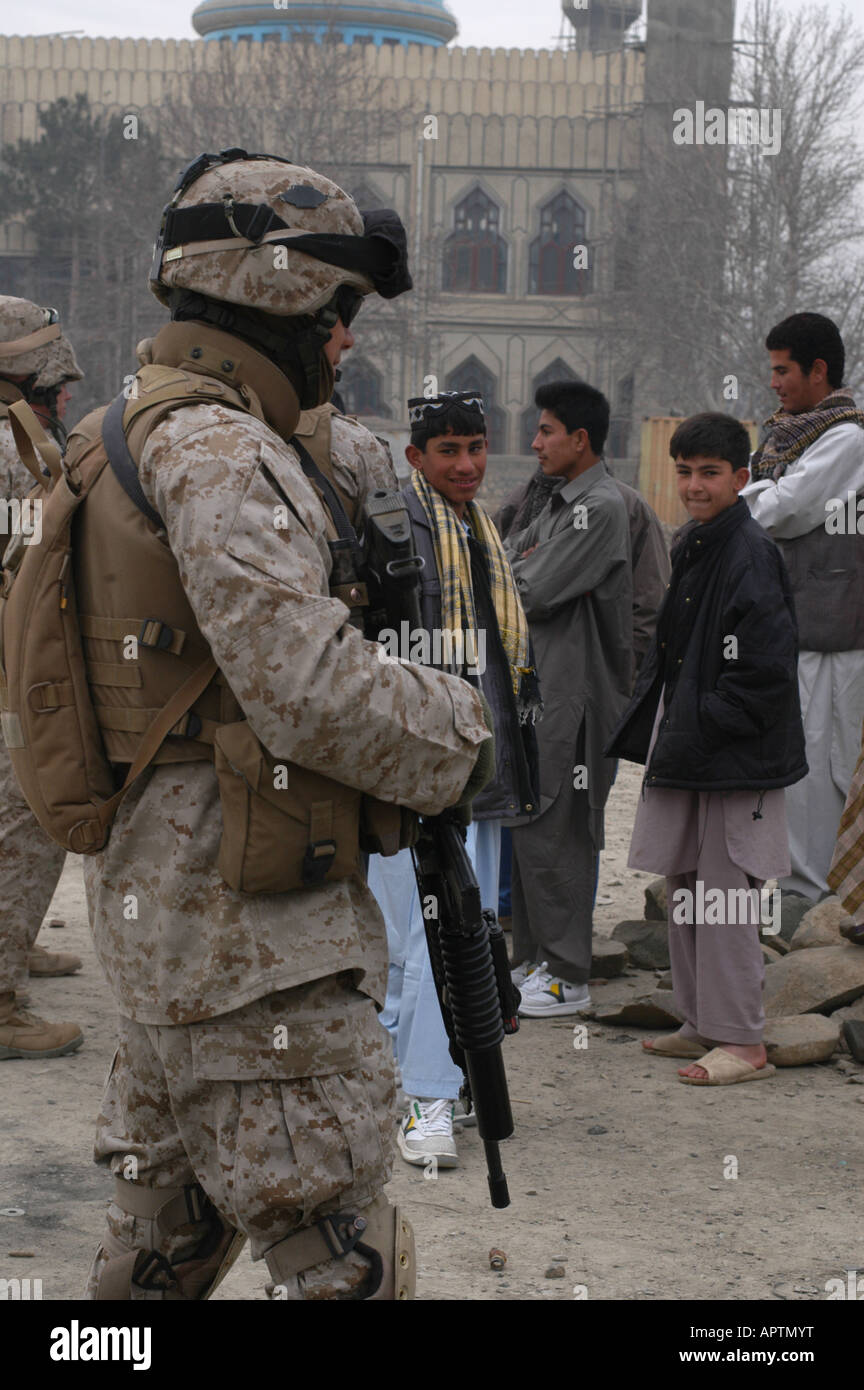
624, 1184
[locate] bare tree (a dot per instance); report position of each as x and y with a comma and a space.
723, 241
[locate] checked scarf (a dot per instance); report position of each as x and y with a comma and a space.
457, 597
789, 435
846, 875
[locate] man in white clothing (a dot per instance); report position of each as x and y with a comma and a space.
807, 481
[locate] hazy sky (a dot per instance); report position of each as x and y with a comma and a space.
491, 23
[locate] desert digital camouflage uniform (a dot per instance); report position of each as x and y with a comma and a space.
361, 461
30, 862
208, 979
181, 948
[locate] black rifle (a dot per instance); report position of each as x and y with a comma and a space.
479, 1002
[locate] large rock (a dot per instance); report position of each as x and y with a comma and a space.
853, 1033
608, 959
655, 901
795, 1042
814, 981
793, 908
854, 1011
657, 1010
821, 926
647, 942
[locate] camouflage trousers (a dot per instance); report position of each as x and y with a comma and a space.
283, 1110
30, 866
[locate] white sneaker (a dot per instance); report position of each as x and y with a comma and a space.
544, 996
426, 1134
522, 972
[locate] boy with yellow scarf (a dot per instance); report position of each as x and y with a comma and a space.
474, 626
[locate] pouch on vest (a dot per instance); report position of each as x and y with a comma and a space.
284, 827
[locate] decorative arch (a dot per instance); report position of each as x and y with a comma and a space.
556, 371
563, 226
365, 194
471, 375
475, 253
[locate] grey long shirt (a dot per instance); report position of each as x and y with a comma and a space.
577, 590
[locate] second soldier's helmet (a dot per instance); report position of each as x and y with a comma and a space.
260, 232
32, 345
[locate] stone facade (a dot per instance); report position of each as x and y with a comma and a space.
502, 140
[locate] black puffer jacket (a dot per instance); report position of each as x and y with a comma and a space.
726, 650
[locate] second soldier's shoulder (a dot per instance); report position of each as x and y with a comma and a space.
15, 476
363, 453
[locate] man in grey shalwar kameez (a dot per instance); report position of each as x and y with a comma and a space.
573, 573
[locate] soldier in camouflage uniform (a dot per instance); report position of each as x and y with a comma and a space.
215, 1132
36, 362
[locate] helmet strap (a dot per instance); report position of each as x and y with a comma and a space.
294, 345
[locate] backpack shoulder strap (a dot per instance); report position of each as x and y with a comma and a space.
122, 462
30, 440
166, 388
340, 517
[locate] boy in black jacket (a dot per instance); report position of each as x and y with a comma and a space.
716, 718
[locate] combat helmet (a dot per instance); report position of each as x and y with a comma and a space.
274, 252
32, 344
33, 347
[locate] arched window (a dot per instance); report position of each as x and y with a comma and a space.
360, 389
556, 371
365, 196
475, 253
471, 375
562, 229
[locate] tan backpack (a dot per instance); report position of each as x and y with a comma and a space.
74, 707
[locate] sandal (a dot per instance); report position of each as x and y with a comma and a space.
673, 1045
725, 1069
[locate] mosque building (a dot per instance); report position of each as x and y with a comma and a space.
506, 182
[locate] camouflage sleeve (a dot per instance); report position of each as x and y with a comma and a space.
248, 532
16, 479
362, 462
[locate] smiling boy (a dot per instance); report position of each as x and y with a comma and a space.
468, 595
717, 721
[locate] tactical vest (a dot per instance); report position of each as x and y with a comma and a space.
141, 643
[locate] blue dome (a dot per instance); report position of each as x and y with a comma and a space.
353, 21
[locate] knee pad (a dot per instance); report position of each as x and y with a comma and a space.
379, 1233
141, 1271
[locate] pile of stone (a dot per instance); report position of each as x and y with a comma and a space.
814, 979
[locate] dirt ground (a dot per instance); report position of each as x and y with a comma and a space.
640, 1208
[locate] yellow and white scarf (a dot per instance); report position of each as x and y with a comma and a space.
453, 559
